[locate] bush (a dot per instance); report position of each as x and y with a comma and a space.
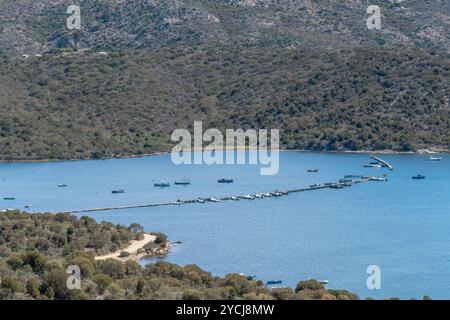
32, 288
103, 281
124, 254
15, 262
160, 238
10, 283
312, 285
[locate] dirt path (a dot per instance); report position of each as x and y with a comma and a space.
132, 249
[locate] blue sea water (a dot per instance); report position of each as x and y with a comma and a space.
402, 225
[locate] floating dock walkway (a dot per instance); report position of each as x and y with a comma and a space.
276, 193
384, 162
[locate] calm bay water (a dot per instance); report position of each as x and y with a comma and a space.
402, 225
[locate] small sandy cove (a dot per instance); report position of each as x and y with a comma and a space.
132, 249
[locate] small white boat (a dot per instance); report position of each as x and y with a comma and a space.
378, 179
234, 198
247, 197
323, 281
258, 196
267, 195
200, 201
214, 200
434, 159
375, 166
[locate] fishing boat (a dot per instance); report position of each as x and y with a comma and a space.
200, 201
9, 198
315, 185
27, 206
418, 177
312, 170
161, 184
118, 191
247, 197
323, 281
337, 186
62, 185
214, 200
183, 182
434, 159
257, 196
267, 195
225, 180
276, 194
234, 198
274, 282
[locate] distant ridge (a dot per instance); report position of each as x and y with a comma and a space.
140, 69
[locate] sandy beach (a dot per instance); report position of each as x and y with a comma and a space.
132, 249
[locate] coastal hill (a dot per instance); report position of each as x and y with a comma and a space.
37, 249
137, 70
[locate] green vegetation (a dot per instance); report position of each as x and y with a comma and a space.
88, 106
36, 249
311, 69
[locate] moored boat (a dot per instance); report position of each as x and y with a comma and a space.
378, 179
118, 191
274, 282
375, 166
183, 182
161, 184
225, 180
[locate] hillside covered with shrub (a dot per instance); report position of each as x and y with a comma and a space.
311, 69
36, 249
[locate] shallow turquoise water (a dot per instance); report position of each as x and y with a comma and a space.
402, 225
